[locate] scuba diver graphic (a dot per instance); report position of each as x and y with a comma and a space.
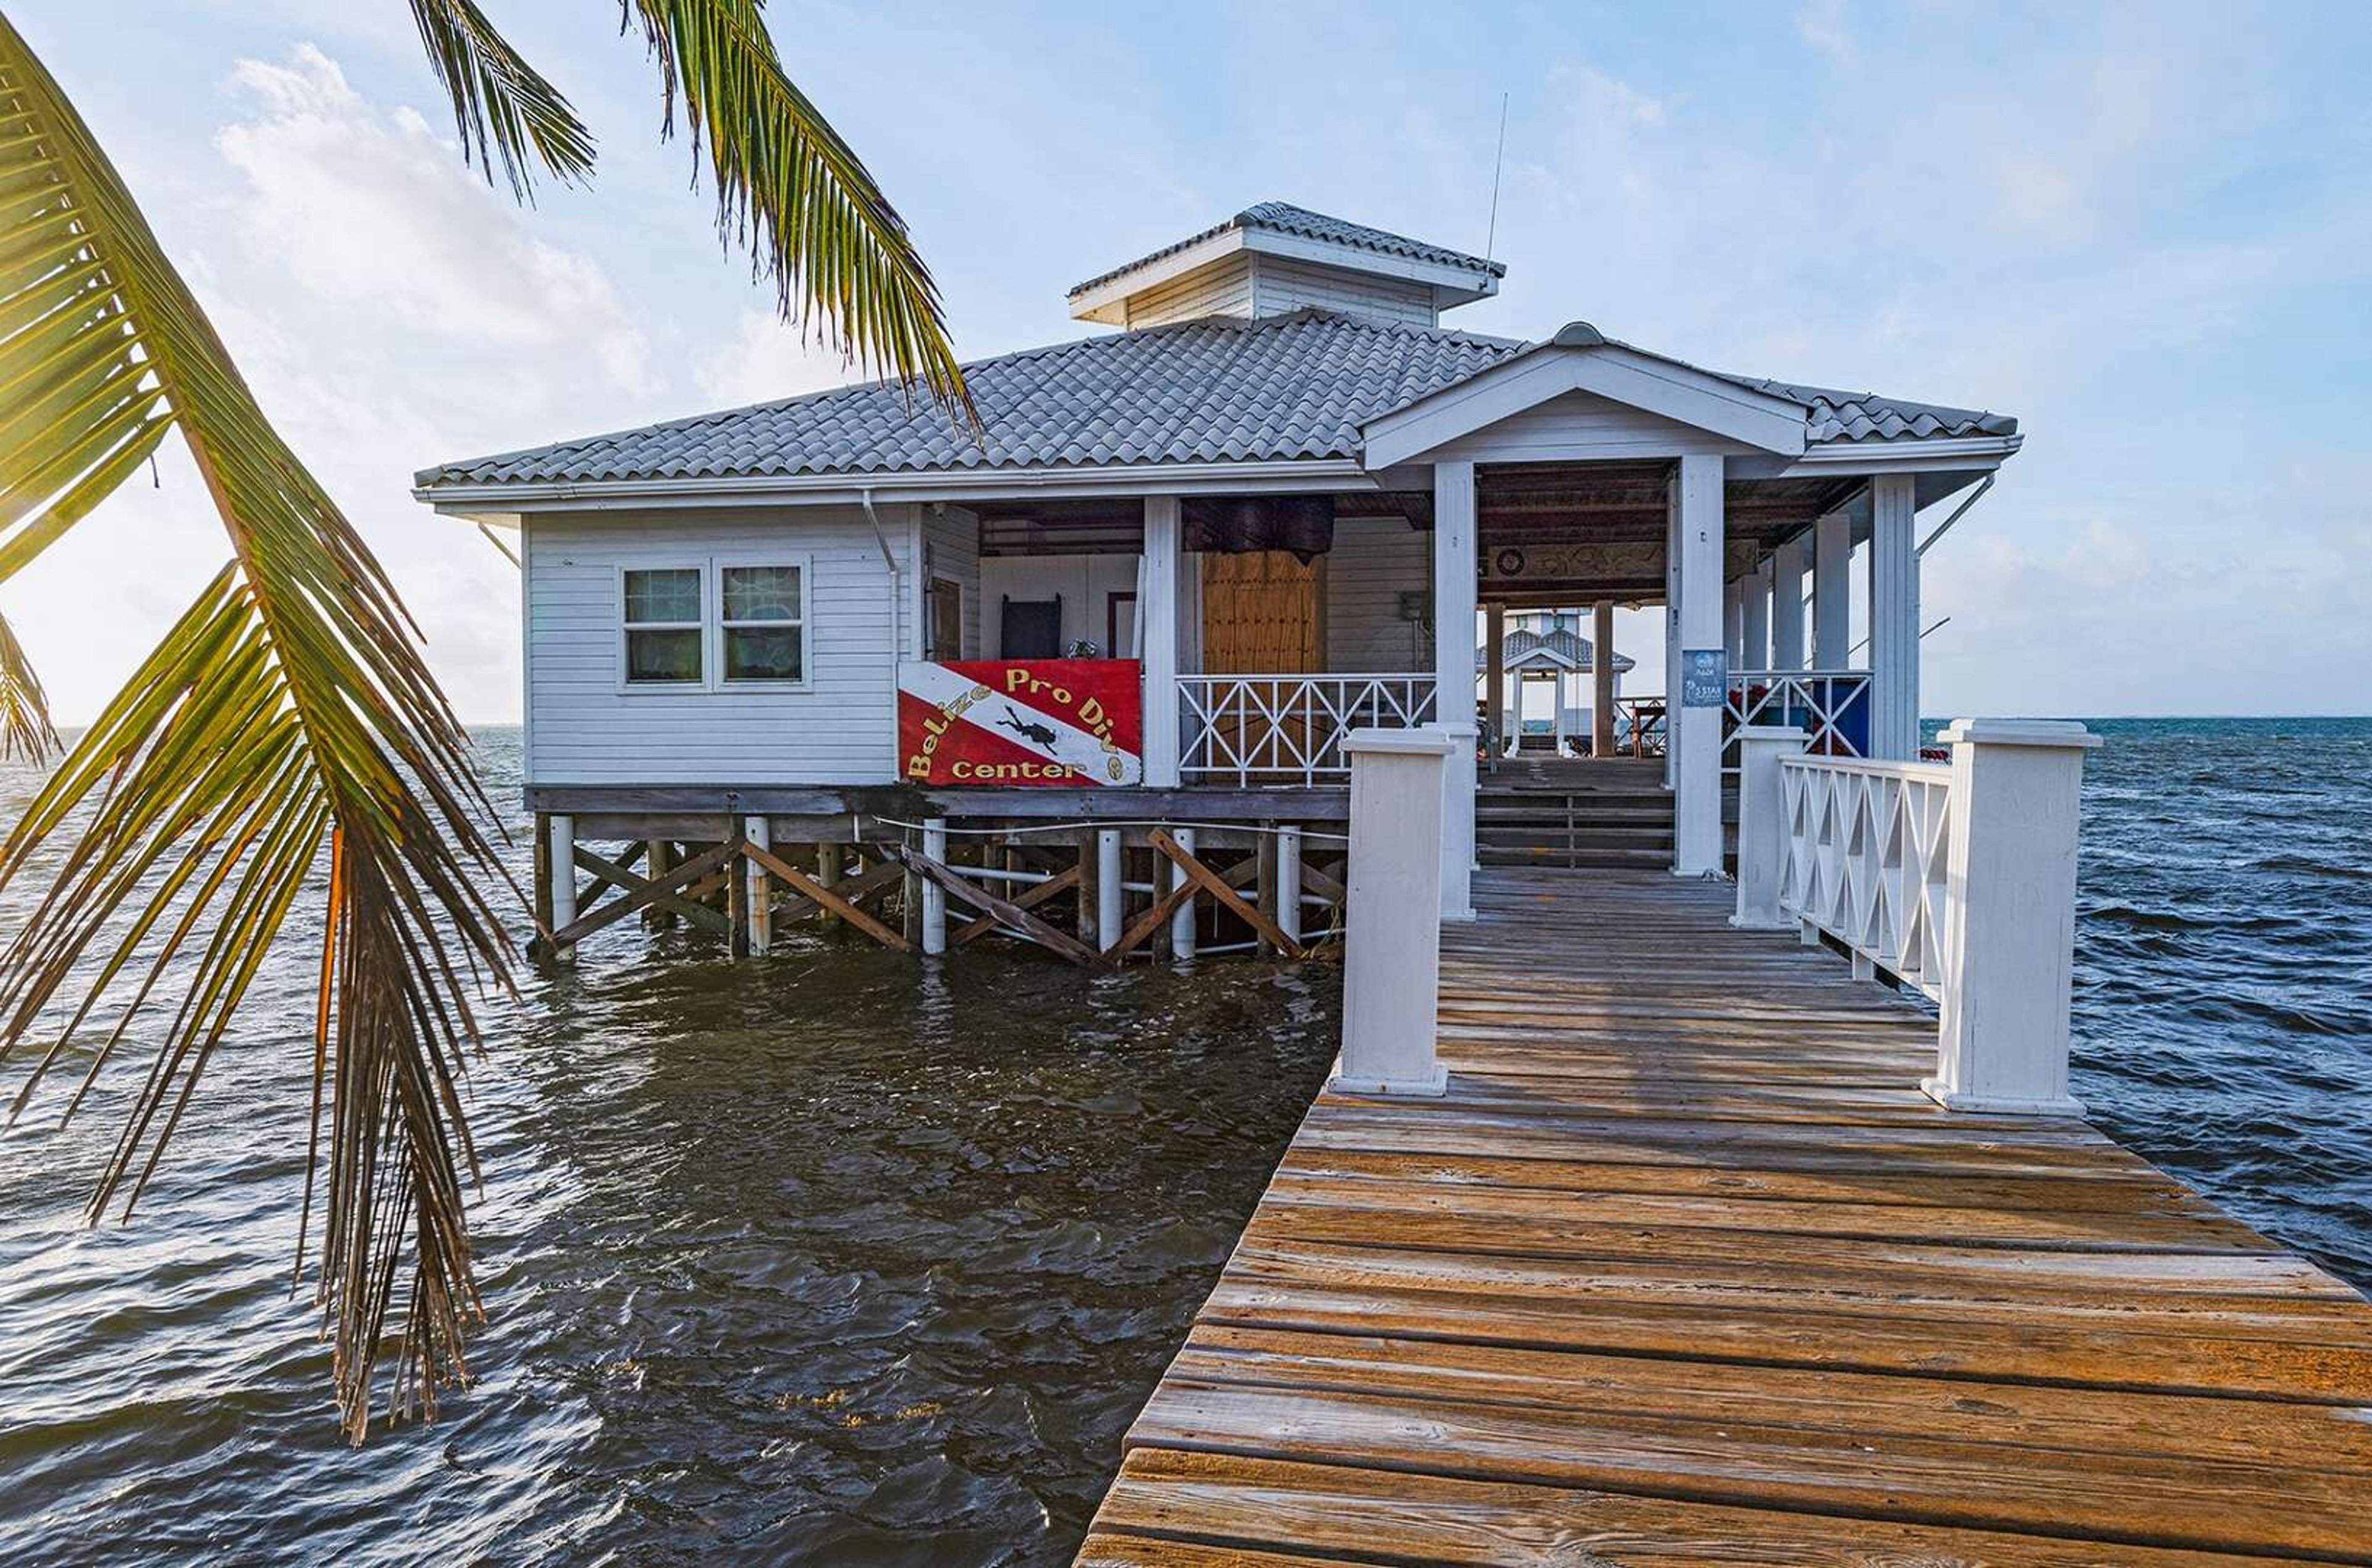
1042, 735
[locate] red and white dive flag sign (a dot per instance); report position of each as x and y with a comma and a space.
1066, 722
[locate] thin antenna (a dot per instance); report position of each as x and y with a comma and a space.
1497, 160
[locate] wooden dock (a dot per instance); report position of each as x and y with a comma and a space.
1686, 1269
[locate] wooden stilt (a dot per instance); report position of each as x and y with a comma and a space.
1111, 895
1181, 924
760, 892
935, 893
737, 906
829, 862
1265, 879
660, 855
560, 849
1288, 882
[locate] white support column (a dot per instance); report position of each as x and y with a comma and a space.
1762, 823
761, 892
1787, 605
1391, 960
1111, 897
1288, 881
1181, 924
1893, 618
1833, 592
563, 855
1733, 621
1755, 654
1697, 731
1558, 726
1672, 637
2008, 959
1453, 669
934, 898
1495, 677
1601, 679
1156, 613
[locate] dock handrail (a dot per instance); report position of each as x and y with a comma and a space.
1957, 878
1249, 731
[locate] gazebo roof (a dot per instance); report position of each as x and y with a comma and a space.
1565, 650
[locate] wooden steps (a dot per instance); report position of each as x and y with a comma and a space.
1610, 815
1684, 1269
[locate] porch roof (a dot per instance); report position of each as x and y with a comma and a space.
1219, 389
1525, 648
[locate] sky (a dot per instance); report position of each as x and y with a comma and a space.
2145, 230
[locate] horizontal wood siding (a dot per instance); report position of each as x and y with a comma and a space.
1282, 286
585, 729
1375, 559
1582, 427
1223, 288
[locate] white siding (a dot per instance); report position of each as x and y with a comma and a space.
1223, 288
585, 727
1280, 285
1085, 583
1582, 427
951, 549
1373, 561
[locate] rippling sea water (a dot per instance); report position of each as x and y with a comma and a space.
825, 1258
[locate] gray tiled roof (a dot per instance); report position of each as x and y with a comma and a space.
1867, 416
1213, 390
1574, 649
1283, 218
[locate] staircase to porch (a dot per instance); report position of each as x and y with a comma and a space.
1610, 814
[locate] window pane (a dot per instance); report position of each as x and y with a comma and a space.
672, 594
761, 655
663, 656
761, 593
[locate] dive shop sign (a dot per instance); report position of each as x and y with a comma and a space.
1063, 722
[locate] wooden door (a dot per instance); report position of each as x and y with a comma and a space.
1260, 615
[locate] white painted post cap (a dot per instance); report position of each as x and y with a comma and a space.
2021, 732
1769, 732
1399, 743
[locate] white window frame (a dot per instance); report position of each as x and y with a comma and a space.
707, 656
804, 563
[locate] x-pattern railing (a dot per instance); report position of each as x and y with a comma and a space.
1288, 729
1831, 706
1868, 858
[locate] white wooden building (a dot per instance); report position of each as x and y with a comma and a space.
1272, 478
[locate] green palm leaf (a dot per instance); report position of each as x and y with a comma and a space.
286, 728
24, 708
504, 109
788, 186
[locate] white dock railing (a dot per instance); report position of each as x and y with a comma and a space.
1249, 731
1831, 706
1959, 878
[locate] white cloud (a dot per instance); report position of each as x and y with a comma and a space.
1821, 24
371, 208
766, 359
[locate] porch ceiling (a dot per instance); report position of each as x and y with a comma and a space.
1554, 534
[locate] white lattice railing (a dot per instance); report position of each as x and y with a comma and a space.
1831, 706
1866, 857
1288, 729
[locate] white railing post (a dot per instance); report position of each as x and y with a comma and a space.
2010, 926
1762, 823
1459, 785
1391, 960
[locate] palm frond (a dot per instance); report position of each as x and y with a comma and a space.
794, 193
25, 729
504, 109
289, 709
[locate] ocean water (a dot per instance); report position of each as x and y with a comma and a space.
825, 1258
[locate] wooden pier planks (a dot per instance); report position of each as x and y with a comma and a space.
1685, 1270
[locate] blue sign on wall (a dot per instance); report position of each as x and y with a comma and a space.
1705, 677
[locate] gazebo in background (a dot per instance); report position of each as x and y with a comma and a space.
1547, 647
